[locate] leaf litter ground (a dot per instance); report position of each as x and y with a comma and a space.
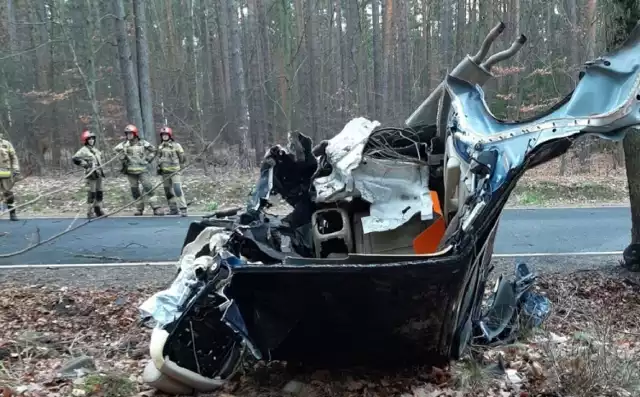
588, 347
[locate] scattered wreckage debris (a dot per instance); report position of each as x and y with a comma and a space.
511, 306
384, 259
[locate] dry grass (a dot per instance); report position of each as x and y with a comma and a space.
601, 184
600, 316
589, 346
595, 363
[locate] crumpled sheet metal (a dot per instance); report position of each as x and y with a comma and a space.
513, 305
344, 153
604, 103
396, 189
213, 236
164, 306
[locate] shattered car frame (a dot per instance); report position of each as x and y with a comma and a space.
386, 254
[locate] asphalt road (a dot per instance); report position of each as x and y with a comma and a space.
526, 232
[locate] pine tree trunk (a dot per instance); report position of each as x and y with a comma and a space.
11, 28
344, 69
240, 106
39, 20
225, 55
132, 98
286, 74
358, 58
267, 69
54, 81
404, 59
387, 51
313, 83
142, 44
256, 73
425, 74
91, 75
591, 20
446, 19
377, 58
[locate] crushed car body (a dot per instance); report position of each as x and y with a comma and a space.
385, 257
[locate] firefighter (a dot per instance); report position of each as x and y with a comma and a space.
136, 155
9, 173
90, 158
171, 159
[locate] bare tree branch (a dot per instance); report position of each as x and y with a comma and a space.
28, 50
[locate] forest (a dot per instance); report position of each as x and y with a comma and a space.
234, 77
250, 71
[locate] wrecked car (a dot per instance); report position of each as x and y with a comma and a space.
384, 259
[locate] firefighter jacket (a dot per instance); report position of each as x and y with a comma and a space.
170, 157
8, 159
136, 156
89, 157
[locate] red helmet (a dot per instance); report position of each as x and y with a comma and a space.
167, 130
131, 128
86, 134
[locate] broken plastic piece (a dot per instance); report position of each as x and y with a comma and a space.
501, 312
331, 226
535, 309
428, 241
513, 305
